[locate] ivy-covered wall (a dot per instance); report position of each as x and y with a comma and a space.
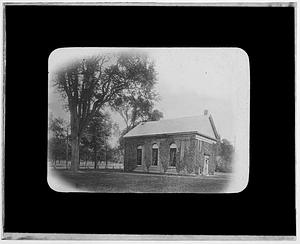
189, 154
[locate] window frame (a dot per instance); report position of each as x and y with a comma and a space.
154, 147
172, 147
137, 155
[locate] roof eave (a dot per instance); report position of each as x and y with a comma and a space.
208, 137
175, 133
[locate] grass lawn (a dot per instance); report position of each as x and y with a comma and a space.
118, 181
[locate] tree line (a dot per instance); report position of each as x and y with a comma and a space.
93, 146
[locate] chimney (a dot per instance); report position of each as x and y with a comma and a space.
205, 112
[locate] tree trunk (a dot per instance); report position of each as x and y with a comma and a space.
105, 156
75, 153
75, 139
95, 158
67, 151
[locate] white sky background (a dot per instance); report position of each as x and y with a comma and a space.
189, 81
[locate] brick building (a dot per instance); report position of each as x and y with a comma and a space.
183, 145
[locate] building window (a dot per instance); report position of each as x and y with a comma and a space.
173, 149
155, 154
139, 155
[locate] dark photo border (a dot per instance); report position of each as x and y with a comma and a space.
265, 208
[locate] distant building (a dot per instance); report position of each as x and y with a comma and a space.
183, 145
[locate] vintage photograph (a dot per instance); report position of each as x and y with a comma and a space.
127, 121
148, 120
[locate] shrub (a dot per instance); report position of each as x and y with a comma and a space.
165, 165
223, 166
164, 157
148, 164
180, 166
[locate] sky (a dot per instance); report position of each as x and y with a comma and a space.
190, 80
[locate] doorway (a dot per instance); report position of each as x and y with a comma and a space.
205, 166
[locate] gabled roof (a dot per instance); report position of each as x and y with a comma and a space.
202, 125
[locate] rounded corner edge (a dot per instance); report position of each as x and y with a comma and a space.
52, 185
53, 53
243, 52
241, 188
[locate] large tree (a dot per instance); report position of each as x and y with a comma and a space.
137, 105
89, 84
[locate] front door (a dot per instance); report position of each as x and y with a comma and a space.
205, 166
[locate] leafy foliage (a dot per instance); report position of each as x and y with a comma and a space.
85, 150
57, 149
124, 81
57, 140
164, 157
57, 127
96, 135
225, 153
136, 103
117, 155
155, 115
88, 84
147, 155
